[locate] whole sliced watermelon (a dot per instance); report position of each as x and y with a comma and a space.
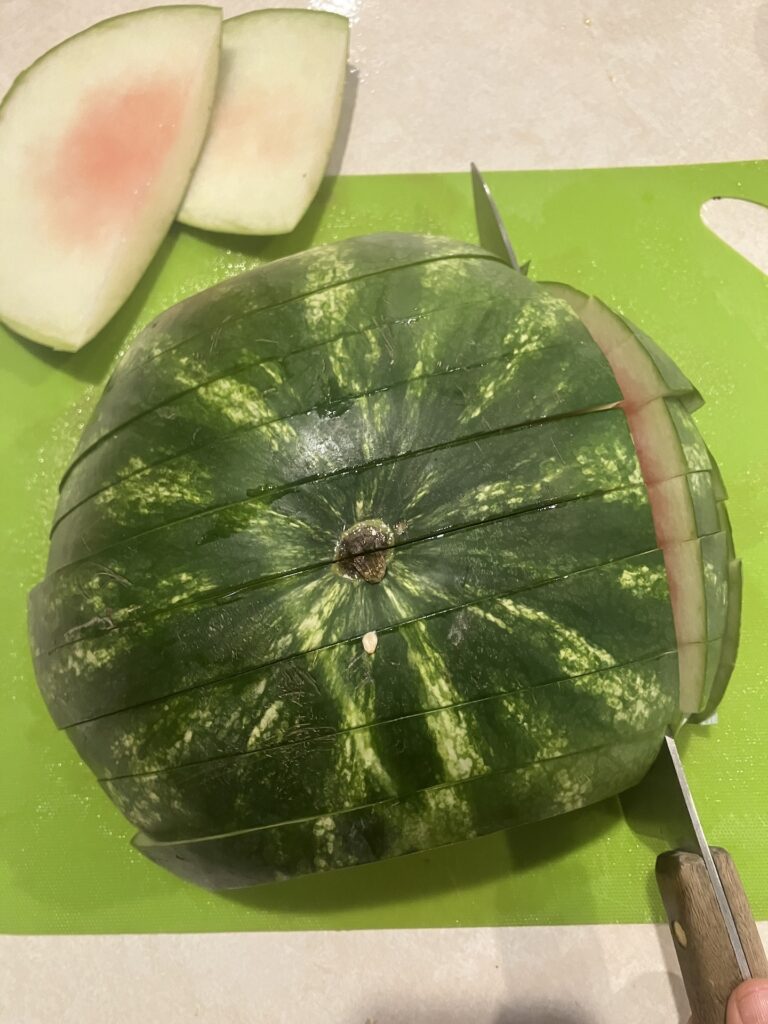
376, 548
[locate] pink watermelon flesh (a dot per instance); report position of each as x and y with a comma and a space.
105, 163
662, 459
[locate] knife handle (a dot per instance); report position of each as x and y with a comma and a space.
704, 952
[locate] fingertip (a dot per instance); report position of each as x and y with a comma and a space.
749, 1003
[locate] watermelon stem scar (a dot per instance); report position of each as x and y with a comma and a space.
364, 550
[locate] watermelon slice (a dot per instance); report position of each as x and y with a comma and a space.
98, 139
274, 121
683, 487
643, 370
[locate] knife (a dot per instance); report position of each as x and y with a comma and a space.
713, 930
490, 226
712, 926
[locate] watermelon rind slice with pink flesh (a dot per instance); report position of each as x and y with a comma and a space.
98, 140
683, 487
274, 121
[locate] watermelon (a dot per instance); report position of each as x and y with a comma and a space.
550, 461
370, 764
255, 624
577, 625
377, 548
98, 141
427, 819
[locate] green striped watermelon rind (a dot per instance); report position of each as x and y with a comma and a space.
214, 635
281, 362
432, 818
417, 414
669, 379
269, 535
207, 315
393, 759
572, 626
214, 639
673, 401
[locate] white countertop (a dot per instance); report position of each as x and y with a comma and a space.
437, 83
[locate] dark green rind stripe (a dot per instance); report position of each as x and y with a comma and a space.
657, 368
715, 558
404, 418
596, 619
695, 452
399, 758
219, 327
279, 533
700, 662
724, 524
300, 613
689, 396
702, 488
424, 821
701, 654
721, 654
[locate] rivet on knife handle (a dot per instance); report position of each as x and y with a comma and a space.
704, 949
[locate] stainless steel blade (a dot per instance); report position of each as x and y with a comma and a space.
662, 806
490, 226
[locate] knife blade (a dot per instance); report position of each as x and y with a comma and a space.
713, 930
663, 805
490, 227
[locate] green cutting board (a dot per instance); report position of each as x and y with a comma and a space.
632, 236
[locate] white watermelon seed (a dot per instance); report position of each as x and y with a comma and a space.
370, 642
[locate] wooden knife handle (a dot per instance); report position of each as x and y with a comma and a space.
704, 951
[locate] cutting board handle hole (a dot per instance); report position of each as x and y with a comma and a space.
742, 225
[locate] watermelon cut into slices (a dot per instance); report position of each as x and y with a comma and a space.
643, 370
428, 819
251, 626
98, 140
371, 764
683, 487
277, 106
376, 548
581, 624
548, 461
